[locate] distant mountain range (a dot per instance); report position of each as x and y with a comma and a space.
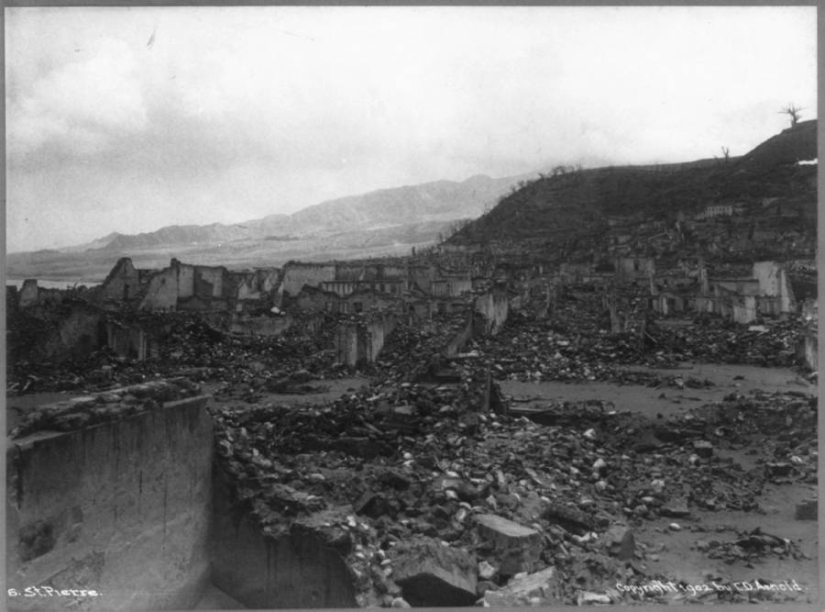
565, 210
378, 223
439, 201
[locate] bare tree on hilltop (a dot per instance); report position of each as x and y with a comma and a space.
793, 112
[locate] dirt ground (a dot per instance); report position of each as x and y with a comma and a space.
667, 401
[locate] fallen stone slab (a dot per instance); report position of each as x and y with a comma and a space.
287, 500
515, 547
620, 542
371, 504
676, 507
431, 574
540, 589
571, 519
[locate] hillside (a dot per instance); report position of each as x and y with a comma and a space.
578, 207
396, 207
384, 222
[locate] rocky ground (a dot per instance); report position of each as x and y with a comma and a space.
553, 463
611, 500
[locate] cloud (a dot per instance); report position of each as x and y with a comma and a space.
238, 112
80, 107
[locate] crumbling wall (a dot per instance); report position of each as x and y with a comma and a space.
185, 279
121, 508
257, 285
808, 350
458, 341
361, 342
214, 276
495, 307
260, 326
346, 344
295, 570
377, 334
29, 292
774, 282
313, 299
349, 272
421, 276
744, 309
162, 293
122, 283
77, 334
296, 275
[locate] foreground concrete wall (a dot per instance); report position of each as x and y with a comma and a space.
122, 508
296, 570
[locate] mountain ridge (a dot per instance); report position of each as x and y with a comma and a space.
441, 200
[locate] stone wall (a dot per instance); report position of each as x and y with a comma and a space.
185, 279
296, 275
122, 283
362, 342
457, 342
121, 508
295, 570
773, 282
130, 341
261, 325
75, 335
214, 276
495, 307
162, 293
808, 350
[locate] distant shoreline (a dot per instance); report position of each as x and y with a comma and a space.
48, 283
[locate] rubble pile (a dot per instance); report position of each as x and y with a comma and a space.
411, 351
749, 546
784, 424
435, 502
188, 344
577, 346
714, 340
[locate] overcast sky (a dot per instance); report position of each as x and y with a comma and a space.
129, 119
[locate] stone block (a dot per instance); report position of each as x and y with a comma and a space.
515, 547
678, 506
620, 542
539, 589
431, 574
703, 448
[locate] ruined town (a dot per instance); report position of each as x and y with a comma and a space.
601, 391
